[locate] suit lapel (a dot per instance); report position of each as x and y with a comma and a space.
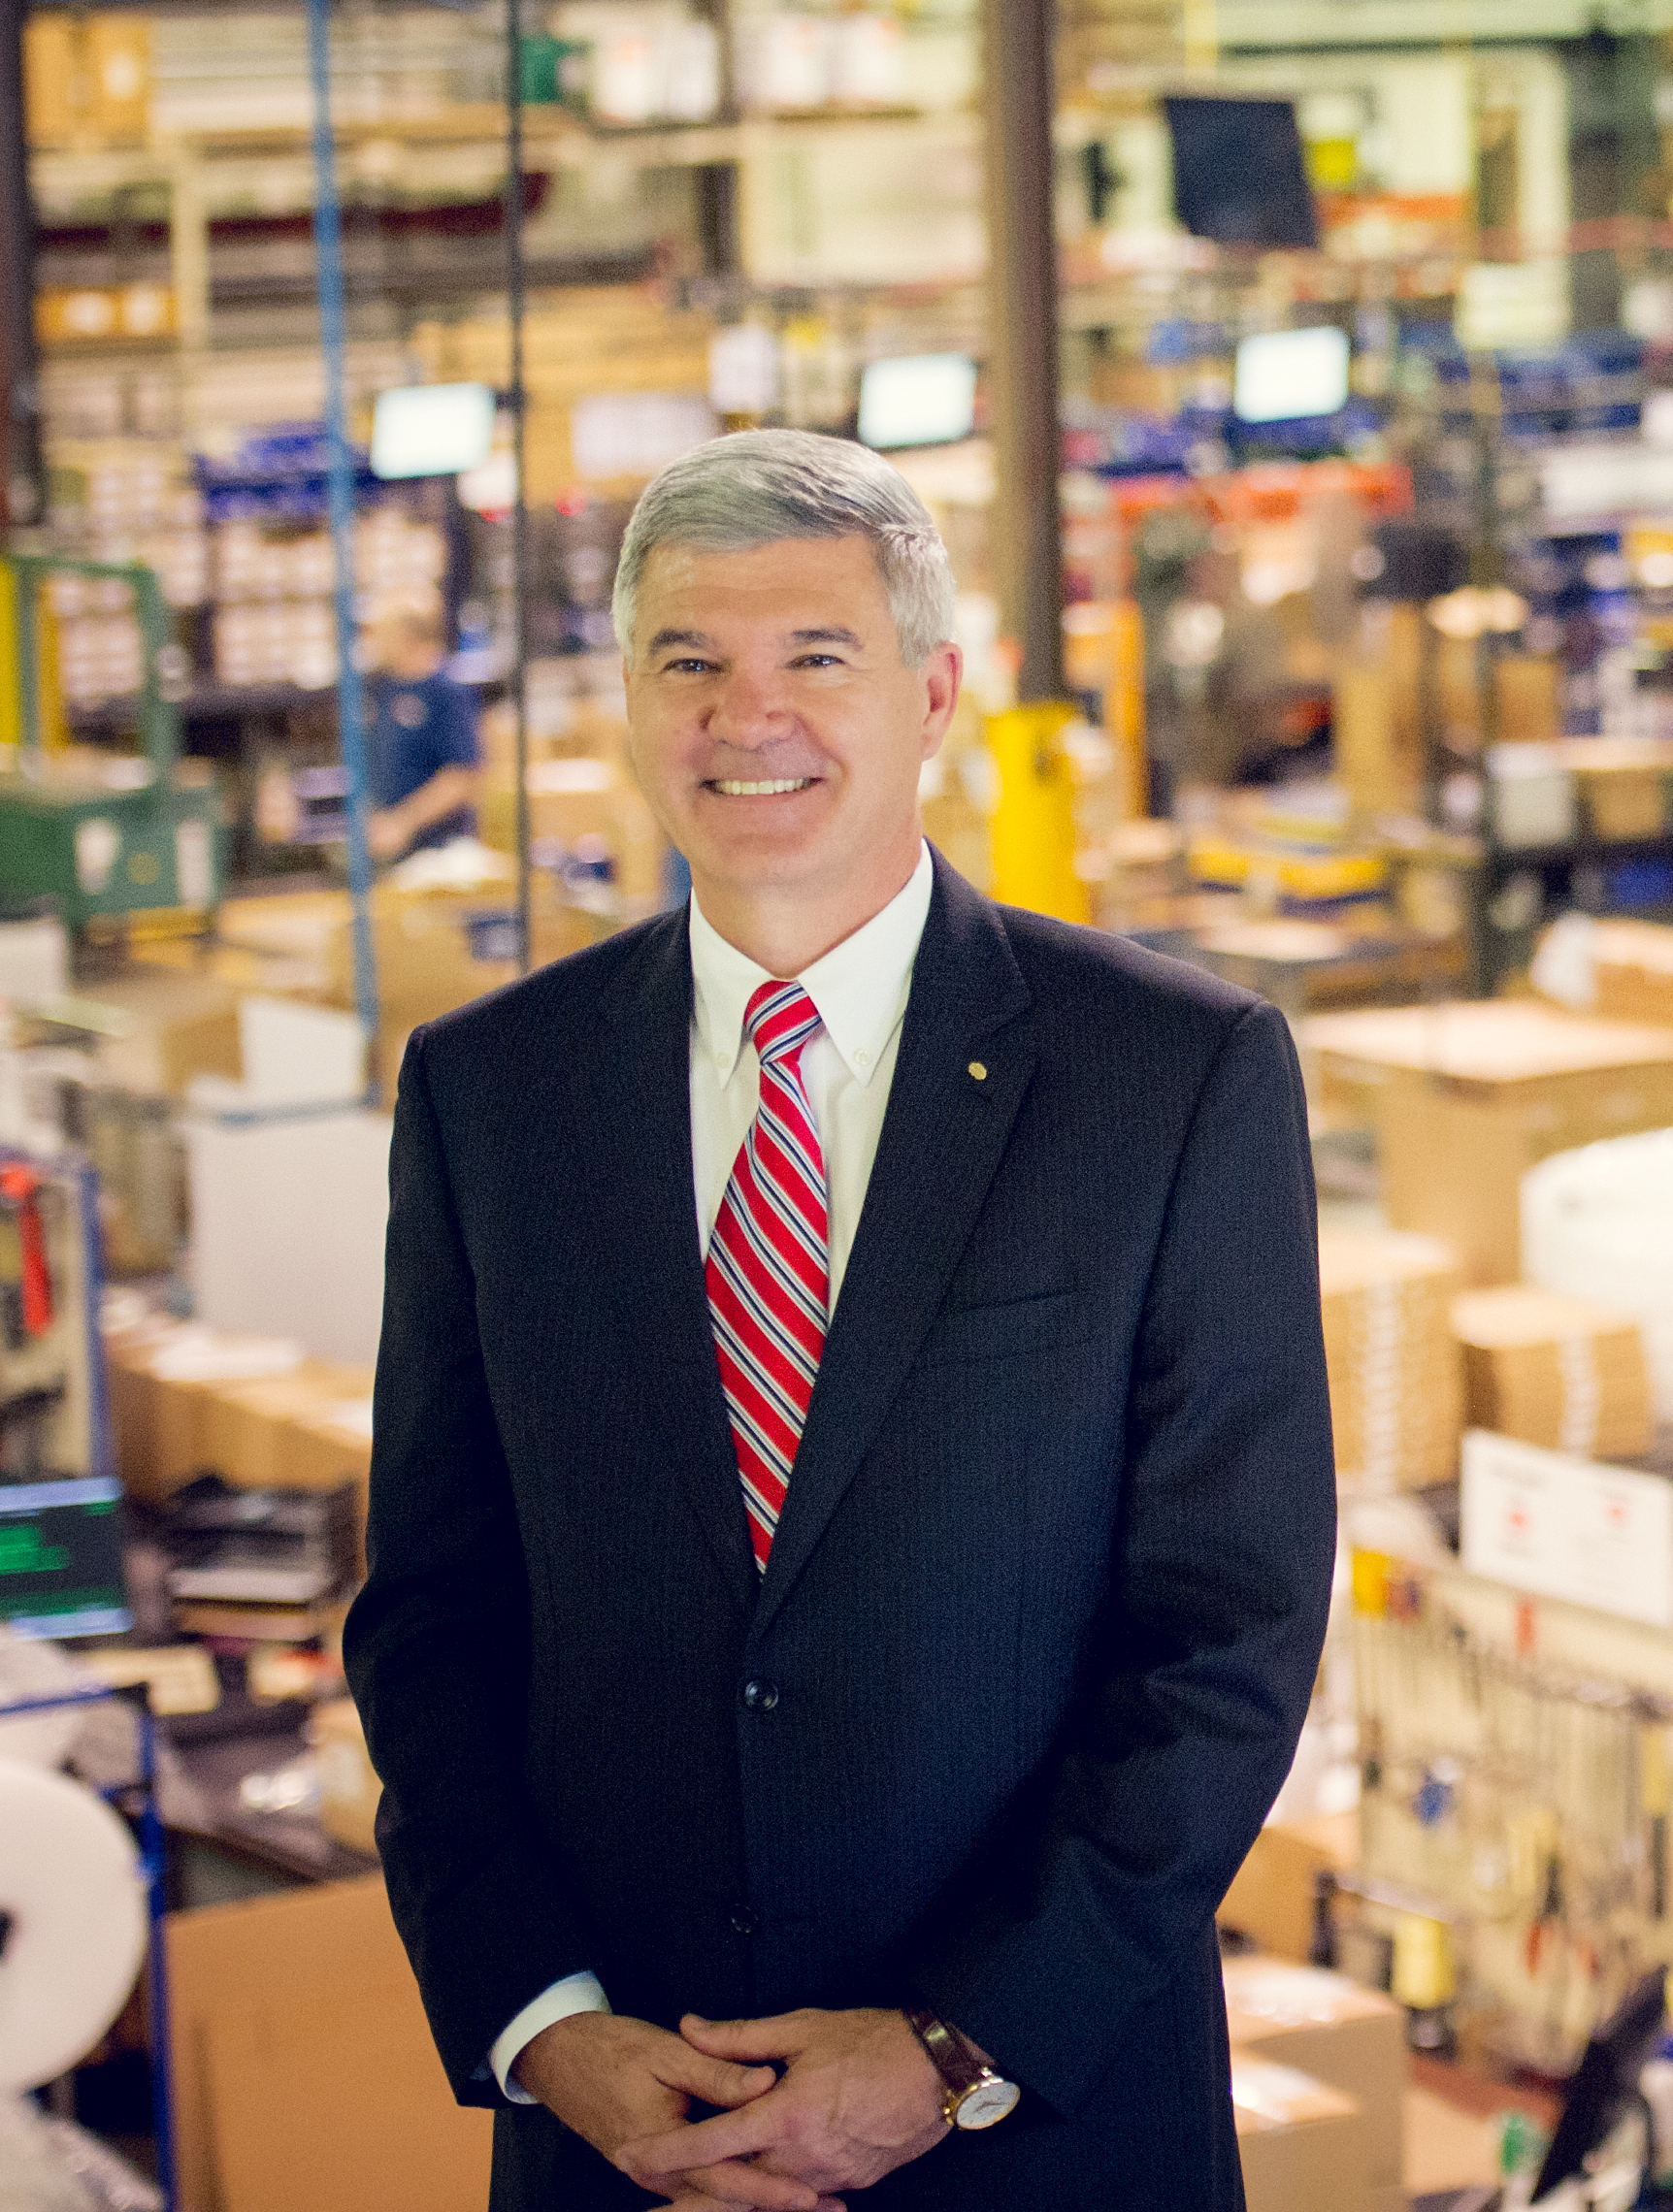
943, 1135
656, 1261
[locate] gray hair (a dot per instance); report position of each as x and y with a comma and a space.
755, 487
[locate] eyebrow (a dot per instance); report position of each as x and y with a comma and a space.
825, 634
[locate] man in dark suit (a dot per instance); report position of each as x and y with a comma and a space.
852, 1505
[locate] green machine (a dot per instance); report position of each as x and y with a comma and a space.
100, 834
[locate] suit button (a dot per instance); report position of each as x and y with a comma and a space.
760, 1695
743, 1922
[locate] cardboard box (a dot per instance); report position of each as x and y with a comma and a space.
1395, 1375
163, 1026
1529, 699
1353, 2040
1378, 715
88, 78
118, 61
1633, 967
1469, 1096
159, 1426
295, 1430
1554, 1371
302, 945
1305, 966
1302, 2145
1273, 1894
308, 1427
1625, 784
1573, 1529
53, 78
573, 798
302, 2070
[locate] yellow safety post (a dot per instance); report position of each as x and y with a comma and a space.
1124, 708
49, 712
1103, 652
1034, 824
11, 673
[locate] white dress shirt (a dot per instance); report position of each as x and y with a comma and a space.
860, 990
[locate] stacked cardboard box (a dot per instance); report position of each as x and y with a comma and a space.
1632, 963
1350, 2039
1554, 1371
88, 78
1305, 966
1302, 2145
1384, 686
1623, 785
1468, 1096
187, 1401
1397, 1384
157, 1027
301, 946
1274, 1893
579, 798
621, 347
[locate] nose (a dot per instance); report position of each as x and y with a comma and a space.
749, 711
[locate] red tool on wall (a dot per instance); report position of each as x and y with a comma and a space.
20, 1190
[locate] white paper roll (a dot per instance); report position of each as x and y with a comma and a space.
70, 1885
30, 1668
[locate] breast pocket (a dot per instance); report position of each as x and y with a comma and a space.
1009, 1329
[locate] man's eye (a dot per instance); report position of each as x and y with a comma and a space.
818, 660
689, 667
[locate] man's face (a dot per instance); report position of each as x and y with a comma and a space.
775, 730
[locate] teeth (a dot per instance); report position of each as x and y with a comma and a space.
763, 789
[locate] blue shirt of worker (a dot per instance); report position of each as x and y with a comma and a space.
415, 728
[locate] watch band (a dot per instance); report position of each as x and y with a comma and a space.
961, 2071
950, 2054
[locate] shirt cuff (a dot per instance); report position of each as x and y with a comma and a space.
575, 1993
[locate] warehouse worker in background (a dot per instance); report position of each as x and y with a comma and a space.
421, 752
852, 1498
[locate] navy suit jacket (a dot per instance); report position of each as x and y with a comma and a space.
1046, 1600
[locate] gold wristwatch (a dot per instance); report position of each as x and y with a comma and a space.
972, 2095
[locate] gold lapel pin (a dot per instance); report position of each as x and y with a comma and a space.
979, 1070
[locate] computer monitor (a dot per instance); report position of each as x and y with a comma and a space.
920, 399
431, 430
1606, 2082
61, 1558
1238, 171
1291, 376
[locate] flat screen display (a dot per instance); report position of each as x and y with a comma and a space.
432, 430
1291, 376
919, 399
61, 1558
1239, 173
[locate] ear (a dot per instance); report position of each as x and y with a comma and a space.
944, 675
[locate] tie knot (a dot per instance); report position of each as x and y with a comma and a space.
778, 1021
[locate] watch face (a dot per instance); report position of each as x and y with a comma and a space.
989, 2101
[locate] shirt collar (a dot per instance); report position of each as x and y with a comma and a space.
859, 988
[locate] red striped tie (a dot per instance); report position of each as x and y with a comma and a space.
769, 1281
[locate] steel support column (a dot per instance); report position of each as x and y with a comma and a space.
22, 469
1022, 336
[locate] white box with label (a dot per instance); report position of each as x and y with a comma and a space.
1569, 1528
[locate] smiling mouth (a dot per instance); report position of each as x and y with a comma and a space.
730, 787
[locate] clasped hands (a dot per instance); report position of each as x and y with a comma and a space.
808, 2104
